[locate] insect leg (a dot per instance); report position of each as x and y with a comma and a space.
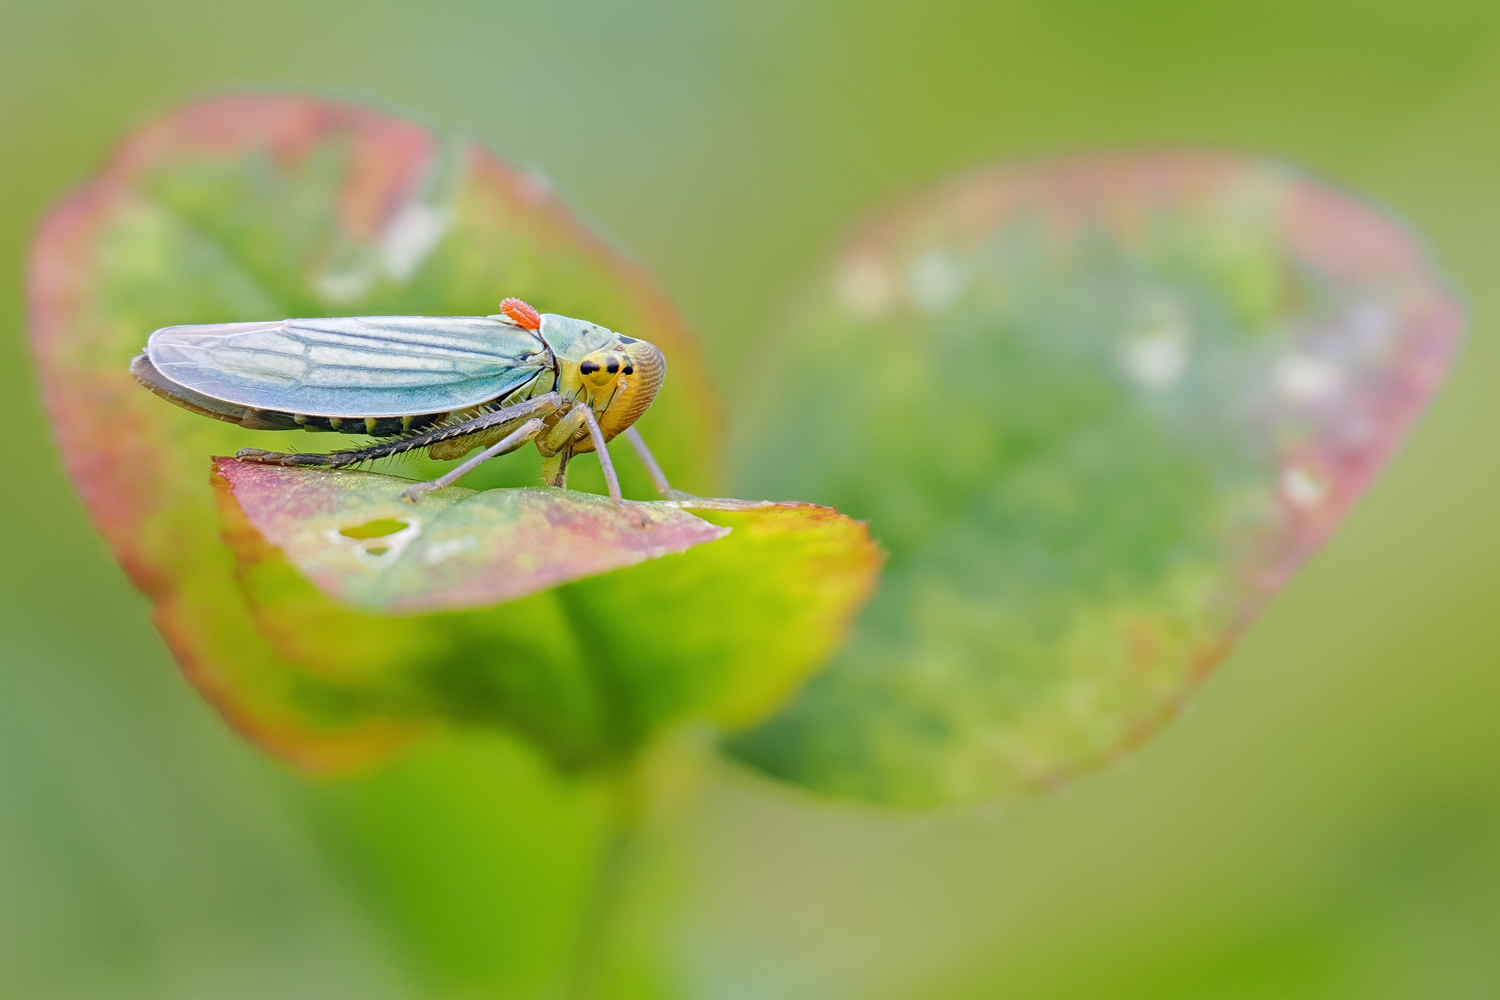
555, 469
339, 459
610, 479
558, 448
658, 477
509, 443
564, 430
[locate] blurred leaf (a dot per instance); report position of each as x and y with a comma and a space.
1098, 411
589, 670
276, 206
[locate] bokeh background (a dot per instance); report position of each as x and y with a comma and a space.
1323, 822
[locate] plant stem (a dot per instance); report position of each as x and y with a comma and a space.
604, 892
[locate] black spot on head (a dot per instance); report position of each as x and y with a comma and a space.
589, 367
628, 340
612, 365
629, 368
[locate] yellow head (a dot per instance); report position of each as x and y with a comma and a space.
615, 375
622, 381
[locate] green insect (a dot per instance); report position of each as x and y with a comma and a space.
448, 384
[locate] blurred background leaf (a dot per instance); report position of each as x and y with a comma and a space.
1322, 823
1100, 410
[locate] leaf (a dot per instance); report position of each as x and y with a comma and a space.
1098, 411
353, 536
275, 206
698, 624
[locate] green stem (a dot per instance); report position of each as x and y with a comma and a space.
599, 911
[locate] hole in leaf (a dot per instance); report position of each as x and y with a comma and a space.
375, 529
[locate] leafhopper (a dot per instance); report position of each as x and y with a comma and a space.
449, 384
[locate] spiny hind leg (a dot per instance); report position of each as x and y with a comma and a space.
316, 460
505, 445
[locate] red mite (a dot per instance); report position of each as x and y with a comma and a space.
522, 314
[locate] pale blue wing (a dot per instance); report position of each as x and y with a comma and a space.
364, 366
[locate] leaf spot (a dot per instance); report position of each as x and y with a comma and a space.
1303, 488
375, 529
381, 540
413, 234
1308, 379
934, 282
448, 548
1157, 354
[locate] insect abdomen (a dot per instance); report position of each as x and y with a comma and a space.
371, 426
273, 420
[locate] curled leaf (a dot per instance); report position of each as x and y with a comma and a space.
1099, 411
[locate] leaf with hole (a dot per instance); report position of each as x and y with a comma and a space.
273, 206
588, 626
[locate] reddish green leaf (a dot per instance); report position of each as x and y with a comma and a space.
699, 625
353, 536
275, 206
1099, 411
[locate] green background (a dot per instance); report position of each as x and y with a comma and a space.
1323, 822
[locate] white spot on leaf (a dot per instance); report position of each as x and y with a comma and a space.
1303, 488
448, 548
934, 281
1157, 353
1307, 379
413, 234
380, 550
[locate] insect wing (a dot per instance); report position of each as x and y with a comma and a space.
365, 366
